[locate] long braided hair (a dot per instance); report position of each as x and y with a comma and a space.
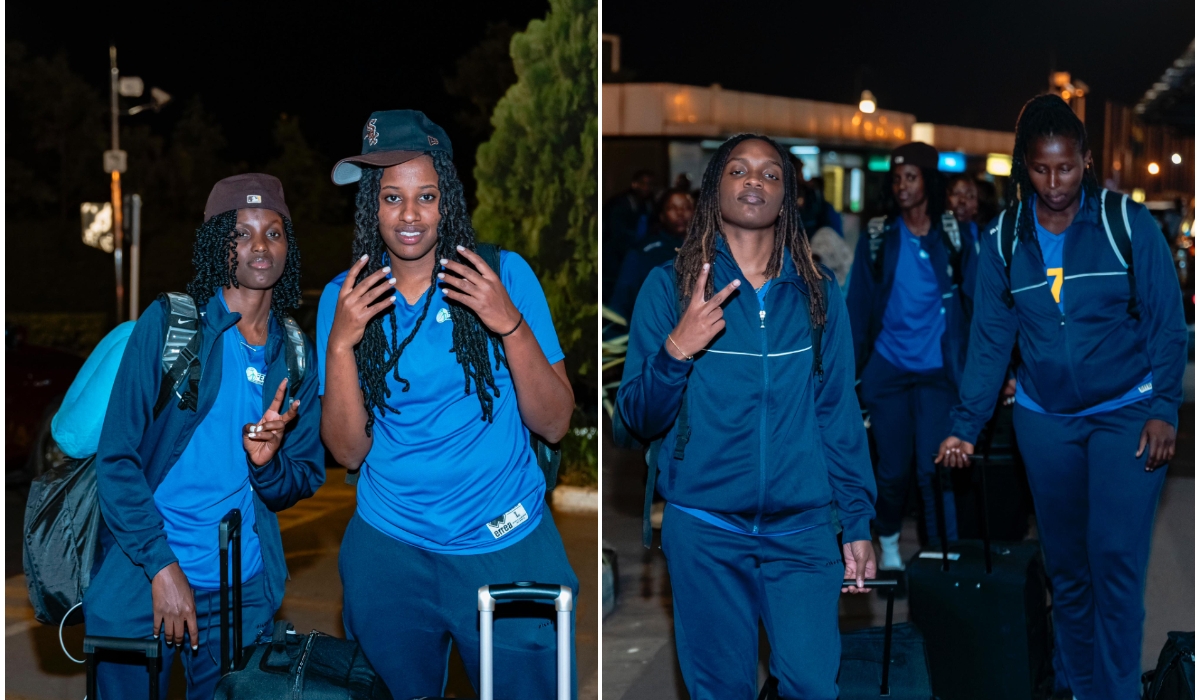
376, 355
1042, 117
214, 260
700, 244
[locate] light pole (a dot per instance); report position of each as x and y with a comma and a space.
118, 163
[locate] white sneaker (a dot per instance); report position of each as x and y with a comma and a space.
890, 560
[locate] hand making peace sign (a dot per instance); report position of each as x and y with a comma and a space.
702, 320
261, 440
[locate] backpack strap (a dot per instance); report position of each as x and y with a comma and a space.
181, 353
1114, 212
875, 228
952, 238
297, 360
490, 253
1006, 244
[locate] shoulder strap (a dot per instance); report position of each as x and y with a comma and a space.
875, 228
1114, 213
1006, 244
297, 360
950, 229
181, 353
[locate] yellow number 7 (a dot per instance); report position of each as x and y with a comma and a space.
1056, 273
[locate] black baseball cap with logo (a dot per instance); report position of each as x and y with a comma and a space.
391, 138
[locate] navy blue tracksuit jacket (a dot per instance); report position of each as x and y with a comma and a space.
771, 448
136, 451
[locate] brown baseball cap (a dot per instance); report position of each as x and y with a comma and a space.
246, 191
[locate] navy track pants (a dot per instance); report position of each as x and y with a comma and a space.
723, 583
1095, 507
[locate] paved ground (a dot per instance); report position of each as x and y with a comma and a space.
36, 669
638, 650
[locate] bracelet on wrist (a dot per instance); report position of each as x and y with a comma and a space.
681, 352
514, 330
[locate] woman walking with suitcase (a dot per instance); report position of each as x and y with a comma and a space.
909, 306
435, 368
751, 391
1103, 347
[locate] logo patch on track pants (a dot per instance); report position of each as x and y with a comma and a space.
508, 522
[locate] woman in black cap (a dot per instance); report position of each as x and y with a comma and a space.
436, 367
909, 315
170, 465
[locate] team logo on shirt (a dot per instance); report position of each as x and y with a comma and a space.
255, 377
508, 522
443, 315
1145, 387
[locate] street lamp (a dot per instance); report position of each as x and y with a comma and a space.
1153, 168
115, 162
1176, 158
866, 103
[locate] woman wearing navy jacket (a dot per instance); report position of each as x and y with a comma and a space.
771, 452
1098, 391
909, 317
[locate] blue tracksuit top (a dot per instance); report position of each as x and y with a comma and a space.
136, 451
867, 299
1092, 350
771, 448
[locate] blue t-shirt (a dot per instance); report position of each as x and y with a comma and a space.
1052, 257
914, 320
212, 475
437, 476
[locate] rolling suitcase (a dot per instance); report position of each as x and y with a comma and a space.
524, 591
878, 662
982, 608
150, 648
315, 666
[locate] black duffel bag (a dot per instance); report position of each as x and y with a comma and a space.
1175, 676
315, 666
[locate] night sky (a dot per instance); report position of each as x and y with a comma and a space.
965, 63
250, 62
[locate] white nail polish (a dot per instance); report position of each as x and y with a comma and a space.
460, 248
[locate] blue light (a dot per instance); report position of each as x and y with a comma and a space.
952, 162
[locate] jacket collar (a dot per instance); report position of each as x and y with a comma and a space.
787, 273
215, 320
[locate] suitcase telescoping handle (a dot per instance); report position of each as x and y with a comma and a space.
230, 538
890, 586
981, 460
564, 603
150, 648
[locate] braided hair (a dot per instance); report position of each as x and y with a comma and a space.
376, 355
1044, 116
214, 259
700, 244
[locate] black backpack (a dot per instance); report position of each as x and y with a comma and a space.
626, 439
1114, 214
1175, 676
951, 238
62, 513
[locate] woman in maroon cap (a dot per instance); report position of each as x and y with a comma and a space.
176, 456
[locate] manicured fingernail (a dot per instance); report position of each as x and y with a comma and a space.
363, 258
392, 280
443, 261
705, 266
444, 291
387, 270
460, 248
441, 275
737, 283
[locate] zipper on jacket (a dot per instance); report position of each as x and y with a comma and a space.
762, 422
1070, 362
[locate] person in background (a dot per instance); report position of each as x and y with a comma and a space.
988, 200
962, 196
815, 212
683, 183
675, 209
910, 321
1098, 390
762, 440
627, 218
